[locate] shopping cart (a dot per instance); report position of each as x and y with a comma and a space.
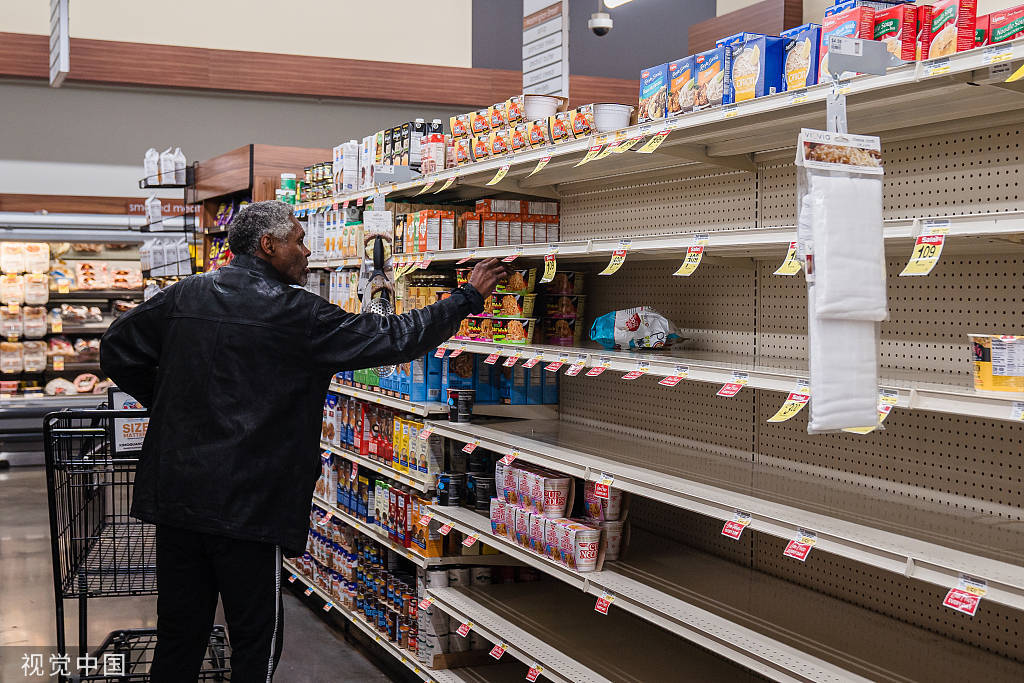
98, 549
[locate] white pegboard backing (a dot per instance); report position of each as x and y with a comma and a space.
929, 317
995, 628
714, 308
965, 463
687, 413
682, 202
689, 528
945, 175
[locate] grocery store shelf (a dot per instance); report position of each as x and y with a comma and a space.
36, 406
542, 622
377, 534
419, 480
907, 535
917, 390
406, 658
97, 295
351, 262
529, 412
87, 328
702, 598
917, 97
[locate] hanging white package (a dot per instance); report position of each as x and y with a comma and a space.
840, 238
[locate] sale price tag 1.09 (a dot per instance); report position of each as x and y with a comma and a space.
534, 672
603, 364
493, 358
513, 359
425, 519
470, 447
603, 485
472, 255
796, 401
604, 601
927, 248
498, 650
618, 258
694, 255
654, 143
732, 387
555, 366
577, 365
680, 373
440, 351
516, 253
507, 460
642, 368
791, 264
887, 399
426, 187
735, 526
540, 165
800, 547
595, 149
967, 595
463, 630
457, 351
550, 264
533, 361
468, 541
445, 529
447, 184
499, 175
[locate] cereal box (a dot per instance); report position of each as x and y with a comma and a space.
1005, 25
682, 86
710, 66
653, 93
950, 27
854, 22
897, 28
800, 67
756, 67
582, 121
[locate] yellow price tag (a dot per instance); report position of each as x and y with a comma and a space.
627, 145
937, 67
499, 175
927, 250
609, 149
694, 255
13, 308
540, 164
426, 187
791, 264
1017, 75
654, 143
798, 97
618, 258
63, 286
58, 363
795, 402
887, 398
550, 265
57, 326
592, 153
447, 184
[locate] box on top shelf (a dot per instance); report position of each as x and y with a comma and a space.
896, 26
728, 42
1005, 24
800, 68
851, 22
653, 93
682, 79
843, 5
710, 66
756, 67
947, 27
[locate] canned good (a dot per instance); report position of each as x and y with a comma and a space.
450, 488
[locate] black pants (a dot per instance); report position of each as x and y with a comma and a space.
192, 569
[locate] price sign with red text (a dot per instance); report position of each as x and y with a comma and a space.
550, 264
493, 358
967, 595
887, 399
732, 387
533, 361
927, 248
354, 472
425, 519
735, 526
603, 603
307, 592
654, 143
603, 364
425, 603
457, 351
440, 351
513, 359
694, 255
618, 257
577, 365
603, 486
540, 164
680, 373
470, 447
800, 547
499, 175
535, 671
426, 432
791, 264
795, 402
463, 630
516, 253
328, 606
642, 368
498, 650
291, 579
472, 255
445, 529
554, 366
468, 541
447, 184
507, 460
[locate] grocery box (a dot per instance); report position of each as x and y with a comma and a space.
459, 126
897, 27
710, 66
756, 67
481, 147
480, 122
838, 7
499, 141
582, 119
981, 30
514, 109
948, 27
497, 116
800, 66
682, 80
852, 22
560, 126
1005, 24
518, 137
653, 93
728, 42
538, 134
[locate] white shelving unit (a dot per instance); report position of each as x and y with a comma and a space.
533, 412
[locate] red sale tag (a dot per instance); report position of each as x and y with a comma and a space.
512, 360
642, 368
458, 351
308, 592
577, 366
534, 672
498, 650
328, 606
355, 472
425, 433
472, 255
602, 486
735, 526
507, 460
596, 370
962, 601
444, 530
633, 374
730, 389
344, 204
440, 352
426, 602
463, 630
603, 603
513, 256
670, 381
553, 367
533, 361
359, 202
425, 519
470, 447
291, 579
800, 547
492, 359
468, 541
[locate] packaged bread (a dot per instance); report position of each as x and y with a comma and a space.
37, 257
34, 321
37, 288
10, 322
34, 356
12, 289
12, 257
11, 361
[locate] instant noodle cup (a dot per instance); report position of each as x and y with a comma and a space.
519, 137
459, 125
998, 362
560, 127
537, 533
499, 524
566, 282
565, 306
462, 275
582, 121
613, 539
480, 122
563, 331
556, 496
522, 527
480, 328
481, 148
465, 330
514, 305
600, 509
514, 330
500, 142
538, 133
497, 116
463, 151
514, 109
586, 546
522, 281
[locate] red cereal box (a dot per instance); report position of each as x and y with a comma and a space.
1005, 24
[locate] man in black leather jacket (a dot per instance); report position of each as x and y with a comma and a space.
233, 366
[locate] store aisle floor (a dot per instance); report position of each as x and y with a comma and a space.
312, 650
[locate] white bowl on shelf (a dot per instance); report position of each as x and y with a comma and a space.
609, 116
539, 106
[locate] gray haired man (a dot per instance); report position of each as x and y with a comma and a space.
233, 366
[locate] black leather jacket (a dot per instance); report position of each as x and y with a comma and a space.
234, 366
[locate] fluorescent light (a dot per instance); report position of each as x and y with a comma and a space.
612, 4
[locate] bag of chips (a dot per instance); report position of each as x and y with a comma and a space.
634, 328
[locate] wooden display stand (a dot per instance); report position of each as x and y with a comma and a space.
252, 171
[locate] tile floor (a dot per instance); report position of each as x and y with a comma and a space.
313, 649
